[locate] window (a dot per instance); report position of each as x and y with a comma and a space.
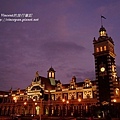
21, 98
65, 96
59, 98
97, 49
79, 95
46, 111
101, 49
102, 33
105, 48
52, 97
49, 74
113, 68
72, 97
52, 74
117, 91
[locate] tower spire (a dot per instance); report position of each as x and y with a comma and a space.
105, 68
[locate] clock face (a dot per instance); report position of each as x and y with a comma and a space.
102, 69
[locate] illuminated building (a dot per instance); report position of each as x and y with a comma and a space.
49, 97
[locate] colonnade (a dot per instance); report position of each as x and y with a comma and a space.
47, 108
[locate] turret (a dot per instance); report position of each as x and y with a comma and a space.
51, 73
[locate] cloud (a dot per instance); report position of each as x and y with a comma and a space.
82, 74
62, 38
66, 73
57, 48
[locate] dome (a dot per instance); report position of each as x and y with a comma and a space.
102, 29
51, 70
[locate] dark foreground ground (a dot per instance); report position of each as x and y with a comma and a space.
52, 118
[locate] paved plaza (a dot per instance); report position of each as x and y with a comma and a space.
52, 118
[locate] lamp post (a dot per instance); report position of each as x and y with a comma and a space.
25, 103
33, 107
40, 107
79, 100
115, 110
67, 102
114, 100
63, 100
15, 100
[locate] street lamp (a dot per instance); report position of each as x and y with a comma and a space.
63, 100
25, 103
67, 102
79, 107
15, 100
79, 100
40, 108
114, 100
35, 107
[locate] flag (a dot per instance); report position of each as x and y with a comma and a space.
103, 17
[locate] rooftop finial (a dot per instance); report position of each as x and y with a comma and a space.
37, 74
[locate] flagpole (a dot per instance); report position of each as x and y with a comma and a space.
101, 21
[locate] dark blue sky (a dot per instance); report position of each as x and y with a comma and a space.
63, 38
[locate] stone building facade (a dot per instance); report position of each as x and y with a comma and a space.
49, 97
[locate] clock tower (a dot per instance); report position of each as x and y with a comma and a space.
105, 68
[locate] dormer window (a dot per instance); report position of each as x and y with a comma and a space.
72, 83
87, 84
59, 86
